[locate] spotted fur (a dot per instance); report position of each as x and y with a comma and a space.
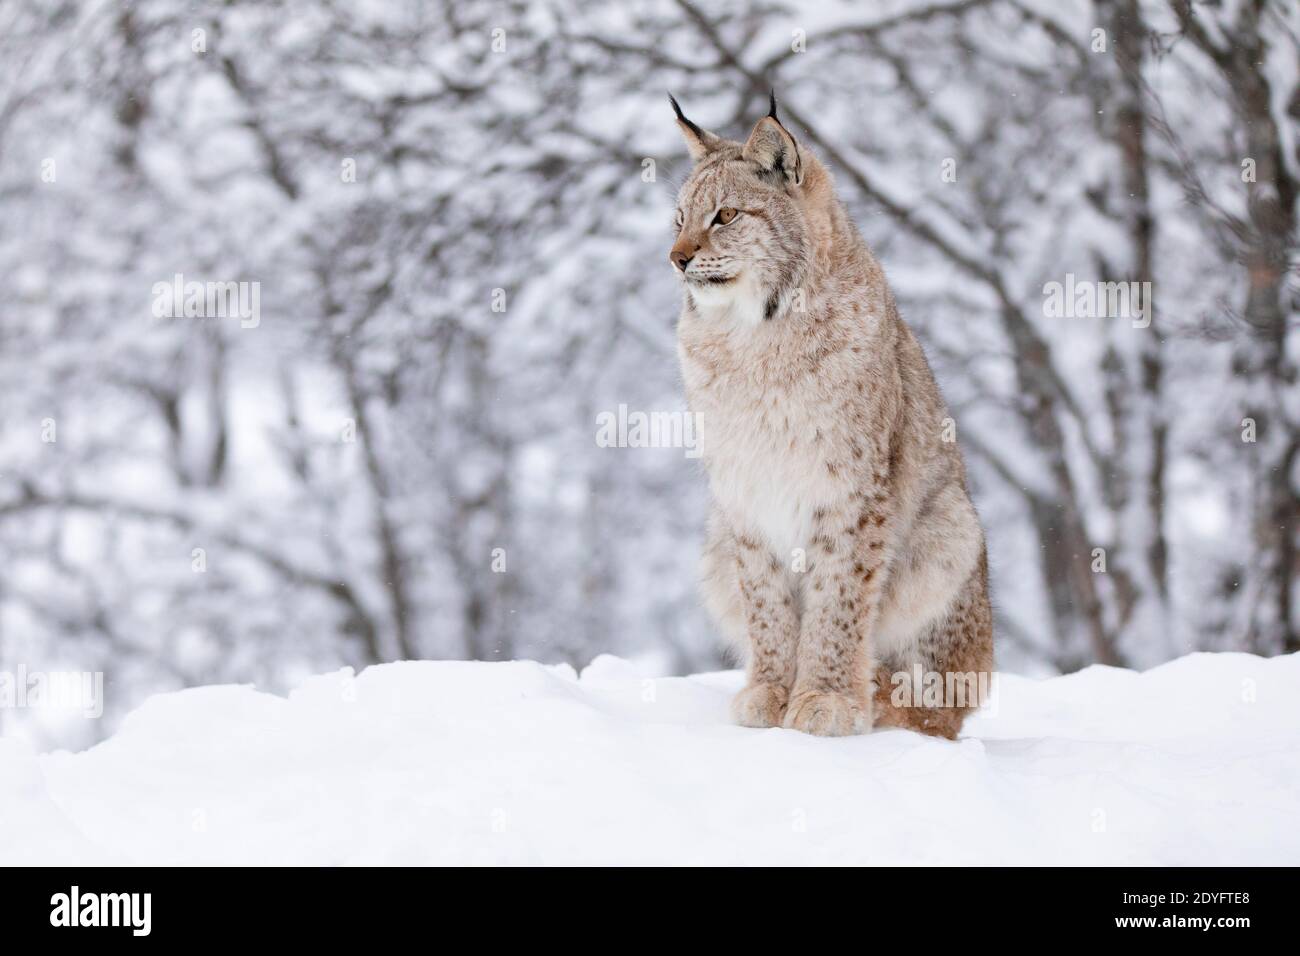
843, 547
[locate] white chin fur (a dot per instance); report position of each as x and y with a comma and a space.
741, 301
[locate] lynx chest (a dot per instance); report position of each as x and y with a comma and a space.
771, 458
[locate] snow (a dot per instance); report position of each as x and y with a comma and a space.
1194, 762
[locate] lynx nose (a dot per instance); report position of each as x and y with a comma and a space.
684, 251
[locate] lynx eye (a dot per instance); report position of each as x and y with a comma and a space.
677, 219
725, 215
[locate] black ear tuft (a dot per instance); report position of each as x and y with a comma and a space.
681, 117
699, 142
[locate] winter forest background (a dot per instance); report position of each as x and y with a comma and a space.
458, 217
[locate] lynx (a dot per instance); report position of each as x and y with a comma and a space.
844, 555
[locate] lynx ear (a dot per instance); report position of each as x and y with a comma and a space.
699, 142
771, 147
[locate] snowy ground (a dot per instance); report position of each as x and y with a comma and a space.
1195, 762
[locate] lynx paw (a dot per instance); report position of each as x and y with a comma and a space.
827, 715
760, 705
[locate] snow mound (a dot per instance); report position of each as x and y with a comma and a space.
1195, 762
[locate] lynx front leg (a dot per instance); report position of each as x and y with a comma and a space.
773, 630
831, 695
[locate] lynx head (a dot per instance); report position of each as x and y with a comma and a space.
743, 219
